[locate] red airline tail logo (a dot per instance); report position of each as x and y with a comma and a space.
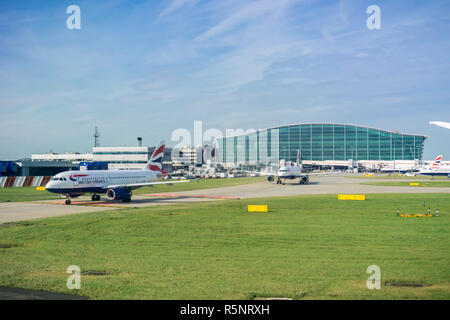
155, 162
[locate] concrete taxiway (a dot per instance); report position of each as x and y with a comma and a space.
334, 184
7, 293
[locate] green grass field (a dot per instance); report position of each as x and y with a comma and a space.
25, 194
306, 247
438, 184
199, 184
31, 194
395, 177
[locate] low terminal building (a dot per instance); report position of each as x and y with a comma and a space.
122, 157
74, 157
119, 158
129, 158
44, 168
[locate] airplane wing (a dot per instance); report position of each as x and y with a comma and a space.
321, 173
268, 173
441, 124
138, 185
275, 174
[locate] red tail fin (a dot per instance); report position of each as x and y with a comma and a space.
155, 162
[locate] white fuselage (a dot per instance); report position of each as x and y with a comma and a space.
436, 171
291, 172
399, 168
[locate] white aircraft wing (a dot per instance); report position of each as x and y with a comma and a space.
275, 174
267, 173
322, 173
137, 185
441, 124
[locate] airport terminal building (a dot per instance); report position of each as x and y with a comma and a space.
319, 143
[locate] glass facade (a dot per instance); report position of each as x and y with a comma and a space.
319, 142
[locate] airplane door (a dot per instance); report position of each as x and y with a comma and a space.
75, 183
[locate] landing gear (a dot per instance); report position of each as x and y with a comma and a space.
127, 199
68, 202
95, 197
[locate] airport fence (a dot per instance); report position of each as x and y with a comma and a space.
24, 181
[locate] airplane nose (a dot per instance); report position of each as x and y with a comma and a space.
50, 185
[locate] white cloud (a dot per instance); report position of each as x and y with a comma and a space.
177, 4
253, 10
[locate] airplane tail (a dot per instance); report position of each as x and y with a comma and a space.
299, 160
437, 162
155, 162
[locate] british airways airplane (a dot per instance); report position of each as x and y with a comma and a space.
117, 184
436, 169
291, 172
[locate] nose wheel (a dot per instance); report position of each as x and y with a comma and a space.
68, 202
95, 197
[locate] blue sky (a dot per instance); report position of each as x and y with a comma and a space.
146, 68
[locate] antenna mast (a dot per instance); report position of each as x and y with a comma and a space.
96, 137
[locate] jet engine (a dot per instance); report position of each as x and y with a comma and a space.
270, 178
119, 194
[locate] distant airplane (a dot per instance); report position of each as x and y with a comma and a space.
117, 184
292, 172
399, 167
436, 169
441, 124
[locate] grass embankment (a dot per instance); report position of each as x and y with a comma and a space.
31, 194
312, 247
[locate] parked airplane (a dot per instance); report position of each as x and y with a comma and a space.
436, 169
117, 184
401, 168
